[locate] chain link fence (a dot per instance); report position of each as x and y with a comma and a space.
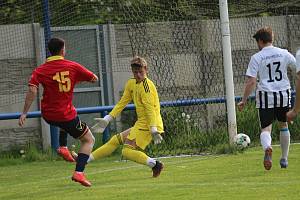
181, 41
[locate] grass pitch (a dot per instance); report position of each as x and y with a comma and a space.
240, 176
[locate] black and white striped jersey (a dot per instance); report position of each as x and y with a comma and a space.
270, 66
273, 99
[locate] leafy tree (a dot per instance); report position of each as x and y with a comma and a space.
82, 12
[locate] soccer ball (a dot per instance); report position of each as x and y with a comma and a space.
242, 140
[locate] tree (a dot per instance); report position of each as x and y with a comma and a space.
82, 12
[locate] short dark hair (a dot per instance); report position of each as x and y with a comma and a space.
55, 45
264, 34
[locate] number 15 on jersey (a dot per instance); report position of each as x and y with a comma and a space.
64, 82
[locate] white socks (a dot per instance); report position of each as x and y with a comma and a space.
108, 118
284, 142
265, 139
151, 162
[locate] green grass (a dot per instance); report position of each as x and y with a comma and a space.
239, 176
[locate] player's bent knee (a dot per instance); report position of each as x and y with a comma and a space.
267, 128
92, 138
88, 138
282, 125
131, 143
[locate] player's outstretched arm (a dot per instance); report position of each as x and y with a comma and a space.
30, 96
101, 124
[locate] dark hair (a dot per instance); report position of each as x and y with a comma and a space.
264, 34
55, 45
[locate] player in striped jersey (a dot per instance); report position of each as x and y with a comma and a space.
273, 94
149, 126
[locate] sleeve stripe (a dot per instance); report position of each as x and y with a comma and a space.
30, 84
146, 86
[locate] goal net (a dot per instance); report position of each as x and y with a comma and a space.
181, 41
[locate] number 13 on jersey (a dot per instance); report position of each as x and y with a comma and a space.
278, 73
64, 82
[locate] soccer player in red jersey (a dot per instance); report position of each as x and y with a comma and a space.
58, 77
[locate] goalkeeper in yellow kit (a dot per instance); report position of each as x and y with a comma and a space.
142, 92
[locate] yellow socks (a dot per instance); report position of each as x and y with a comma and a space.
137, 156
128, 152
108, 147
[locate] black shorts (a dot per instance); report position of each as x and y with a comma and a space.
74, 127
268, 115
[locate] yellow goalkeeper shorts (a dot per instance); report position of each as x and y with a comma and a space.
142, 137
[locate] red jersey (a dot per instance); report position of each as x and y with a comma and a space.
58, 77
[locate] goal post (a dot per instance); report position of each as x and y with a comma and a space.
227, 62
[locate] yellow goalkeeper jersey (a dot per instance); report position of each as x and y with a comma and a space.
145, 98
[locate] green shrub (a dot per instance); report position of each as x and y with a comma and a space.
184, 135
28, 153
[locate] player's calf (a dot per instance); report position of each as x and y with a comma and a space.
75, 156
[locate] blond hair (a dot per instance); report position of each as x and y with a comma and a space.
138, 61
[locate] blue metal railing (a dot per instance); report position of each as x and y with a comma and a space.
103, 110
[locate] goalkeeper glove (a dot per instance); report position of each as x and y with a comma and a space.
101, 124
155, 135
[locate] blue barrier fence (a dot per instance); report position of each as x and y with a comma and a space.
103, 110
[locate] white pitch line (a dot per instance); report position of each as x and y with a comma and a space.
198, 157
111, 170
